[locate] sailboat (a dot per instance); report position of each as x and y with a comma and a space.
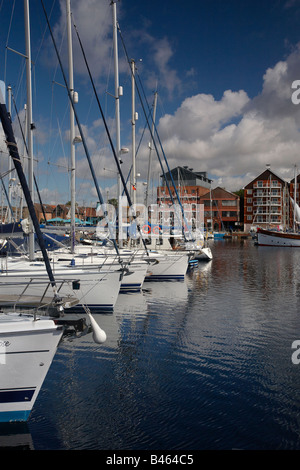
28, 342
279, 238
80, 256
95, 286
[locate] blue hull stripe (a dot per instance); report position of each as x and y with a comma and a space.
153, 277
79, 307
17, 395
11, 416
130, 287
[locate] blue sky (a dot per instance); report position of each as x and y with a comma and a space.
223, 71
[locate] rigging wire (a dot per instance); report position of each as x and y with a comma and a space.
7, 39
82, 135
111, 144
175, 190
25, 145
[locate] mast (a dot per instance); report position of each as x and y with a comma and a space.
118, 93
150, 150
133, 119
14, 154
10, 215
295, 184
30, 125
72, 126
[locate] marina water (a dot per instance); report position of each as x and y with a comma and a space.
204, 363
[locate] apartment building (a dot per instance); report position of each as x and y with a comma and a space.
266, 201
221, 210
190, 185
221, 207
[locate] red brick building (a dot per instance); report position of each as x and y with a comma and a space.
266, 201
221, 207
221, 210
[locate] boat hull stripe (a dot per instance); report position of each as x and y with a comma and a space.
16, 395
14, 416
160, 277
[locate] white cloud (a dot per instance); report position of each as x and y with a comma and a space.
235, 137
232, 138
93, 20
200, 116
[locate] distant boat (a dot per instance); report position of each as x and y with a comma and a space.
277, 238
266, 237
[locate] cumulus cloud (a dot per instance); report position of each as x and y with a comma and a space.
93, 20
231, 138
200, 116
235, 137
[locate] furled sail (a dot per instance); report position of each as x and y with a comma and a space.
296, 210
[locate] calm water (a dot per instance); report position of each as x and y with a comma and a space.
200, 364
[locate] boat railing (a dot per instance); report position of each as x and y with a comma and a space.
45, 300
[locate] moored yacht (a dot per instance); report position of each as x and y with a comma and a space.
97, 287
27, 347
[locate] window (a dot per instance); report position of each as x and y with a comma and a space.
249, 191
249, 209
229, 214
249, 200
230, 203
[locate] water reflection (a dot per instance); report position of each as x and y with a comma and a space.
15, 436
203, 363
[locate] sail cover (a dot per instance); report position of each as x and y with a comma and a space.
296, 210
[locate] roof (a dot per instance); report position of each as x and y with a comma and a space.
265, 175
186, 173
219, 193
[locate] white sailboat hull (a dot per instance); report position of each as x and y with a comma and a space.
279, 239
163, 265
95, 287
84, 256
27, 348
169, 268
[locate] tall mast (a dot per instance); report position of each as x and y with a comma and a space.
72, 126
30, 125
133, 119
118, 93
150, 150
10, 215
295, 188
